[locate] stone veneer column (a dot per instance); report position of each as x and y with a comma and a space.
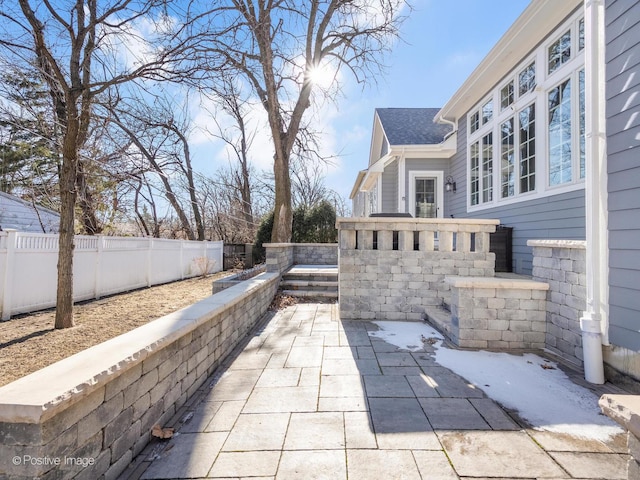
561, 263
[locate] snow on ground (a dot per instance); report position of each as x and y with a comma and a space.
541, 393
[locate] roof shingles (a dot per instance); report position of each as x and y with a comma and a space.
412, 126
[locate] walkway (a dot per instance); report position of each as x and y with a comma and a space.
311, 397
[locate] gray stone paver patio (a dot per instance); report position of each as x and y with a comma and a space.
313, 397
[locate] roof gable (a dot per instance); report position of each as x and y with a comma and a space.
412, 126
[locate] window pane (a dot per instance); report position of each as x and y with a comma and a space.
527, 79
560, 134
487, 112
527, 127
474, 121
506, 95
581, 34
507, 159
560, 52
487, 168
474, 173
582, 122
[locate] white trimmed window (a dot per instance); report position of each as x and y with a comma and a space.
531, 144
506, 96
527, 148
507, 159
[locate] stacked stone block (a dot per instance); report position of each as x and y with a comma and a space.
279, 256
388, 284
561, 263
498, 313
315, 253
625, 409
109, 422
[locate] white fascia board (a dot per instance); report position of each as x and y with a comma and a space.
374, 171
446, 149
377, 137
538, 20
356, 186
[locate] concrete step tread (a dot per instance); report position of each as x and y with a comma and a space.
310, 293
309, 283
440, 318
313, 270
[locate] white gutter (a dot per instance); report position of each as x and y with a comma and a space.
594, 322
454, 124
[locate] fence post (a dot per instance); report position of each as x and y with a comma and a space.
12, 237
149, 250
98, 283
205, 260
181, 259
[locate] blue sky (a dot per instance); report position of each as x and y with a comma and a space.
443, 41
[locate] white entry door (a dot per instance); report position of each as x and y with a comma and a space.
426, 199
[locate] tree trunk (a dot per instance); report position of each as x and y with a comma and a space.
283, 214
68, 194
90, 221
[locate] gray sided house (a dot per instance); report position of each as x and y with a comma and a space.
408, 164
23, 216
545, 138
506, 159
622, 79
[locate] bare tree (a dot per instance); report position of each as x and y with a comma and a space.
158, 132
237, 137
278, 47
73, 47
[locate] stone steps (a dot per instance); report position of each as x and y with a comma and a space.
308, 281
441, 318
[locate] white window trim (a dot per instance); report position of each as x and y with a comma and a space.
401, 185
439, 176
539, 95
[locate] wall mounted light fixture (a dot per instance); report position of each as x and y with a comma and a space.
450, 186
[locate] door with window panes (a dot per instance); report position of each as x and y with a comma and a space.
426, 205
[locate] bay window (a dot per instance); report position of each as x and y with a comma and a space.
532, 158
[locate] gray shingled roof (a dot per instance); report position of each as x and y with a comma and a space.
412, 126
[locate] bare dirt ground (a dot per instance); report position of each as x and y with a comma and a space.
29, 342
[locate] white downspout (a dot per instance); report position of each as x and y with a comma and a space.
450, 122
594, 322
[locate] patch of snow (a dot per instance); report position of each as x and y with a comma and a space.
405, 335
541, 393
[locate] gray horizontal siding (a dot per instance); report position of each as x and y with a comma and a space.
622, 20
390, 188
22, 216
456, 203
558, 216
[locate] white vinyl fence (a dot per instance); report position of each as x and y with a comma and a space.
101, 266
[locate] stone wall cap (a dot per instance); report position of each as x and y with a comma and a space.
579, 244
624, 409
272, 245
40, 395
495, 282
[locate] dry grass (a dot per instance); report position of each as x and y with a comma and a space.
29, 342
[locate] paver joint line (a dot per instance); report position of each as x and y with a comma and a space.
310, 396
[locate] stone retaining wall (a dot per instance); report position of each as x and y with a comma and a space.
390, 272
498, 313
100, 404
230, 281
625, 409
315, 253
281, 256
561, 264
